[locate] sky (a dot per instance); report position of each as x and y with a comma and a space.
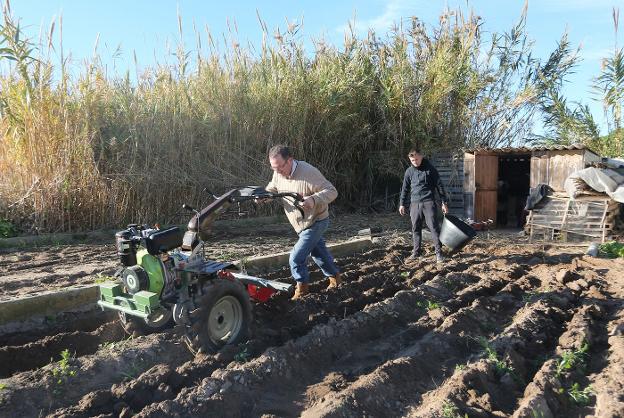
149, 29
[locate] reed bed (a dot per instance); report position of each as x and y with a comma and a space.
87, 149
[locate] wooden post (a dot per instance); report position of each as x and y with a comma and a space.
563, 220
602, 222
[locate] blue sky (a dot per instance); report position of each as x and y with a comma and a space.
147, 27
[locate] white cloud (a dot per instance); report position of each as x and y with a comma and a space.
596, 54
393, 11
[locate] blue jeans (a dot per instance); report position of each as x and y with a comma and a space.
311, 242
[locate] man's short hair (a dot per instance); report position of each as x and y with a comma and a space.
414, 151
282, 150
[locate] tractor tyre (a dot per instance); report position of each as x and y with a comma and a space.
223, 317
137, 326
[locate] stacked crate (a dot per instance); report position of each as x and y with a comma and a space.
588, 218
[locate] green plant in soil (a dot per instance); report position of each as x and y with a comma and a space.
243, 355
501, 366
63, 371
429, 305
134, 370
450, 410
578, 396
571, 359
111, 345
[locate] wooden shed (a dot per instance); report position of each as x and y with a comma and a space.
496, 182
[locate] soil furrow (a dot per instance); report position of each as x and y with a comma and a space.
375, 346
65, 383
608, 383
490, 386
483, 334
33, 355
545, 395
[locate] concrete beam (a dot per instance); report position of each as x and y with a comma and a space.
275, 261
79, 298
47, 304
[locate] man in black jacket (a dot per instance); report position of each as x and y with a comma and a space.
419, 183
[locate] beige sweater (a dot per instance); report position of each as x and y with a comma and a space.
307, 181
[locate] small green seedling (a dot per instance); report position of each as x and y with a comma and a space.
580, 397
63, 371
242, 356
134, 370
428, 305
450, 410
404, 274
500, 366
571, 359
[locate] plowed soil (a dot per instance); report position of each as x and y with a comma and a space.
504, 328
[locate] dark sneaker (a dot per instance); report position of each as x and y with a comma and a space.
440, 258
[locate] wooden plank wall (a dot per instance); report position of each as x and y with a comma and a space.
451, 169
561, 166
554, 167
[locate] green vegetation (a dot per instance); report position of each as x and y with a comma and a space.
133, 370
573, 123
580, 397
243, 355
63, 371
429, 305
572, 359
500, 366
612, 249
112, 345
83, 149
450, 410
7, 229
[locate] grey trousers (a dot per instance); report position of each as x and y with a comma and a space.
426, 210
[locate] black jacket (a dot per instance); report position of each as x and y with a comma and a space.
419, 184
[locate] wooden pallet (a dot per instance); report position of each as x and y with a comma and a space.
556, 217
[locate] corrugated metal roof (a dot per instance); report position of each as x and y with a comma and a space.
519, 150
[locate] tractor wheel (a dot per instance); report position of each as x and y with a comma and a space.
137, 326
223, 317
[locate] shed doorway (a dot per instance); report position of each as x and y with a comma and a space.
514, 175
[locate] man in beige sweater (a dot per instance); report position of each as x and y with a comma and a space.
290, 175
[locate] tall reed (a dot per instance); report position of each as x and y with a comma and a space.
89, 149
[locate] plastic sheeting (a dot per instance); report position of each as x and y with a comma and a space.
601, 180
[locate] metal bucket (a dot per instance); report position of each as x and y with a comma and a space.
455, 233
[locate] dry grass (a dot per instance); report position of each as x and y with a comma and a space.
89, 149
